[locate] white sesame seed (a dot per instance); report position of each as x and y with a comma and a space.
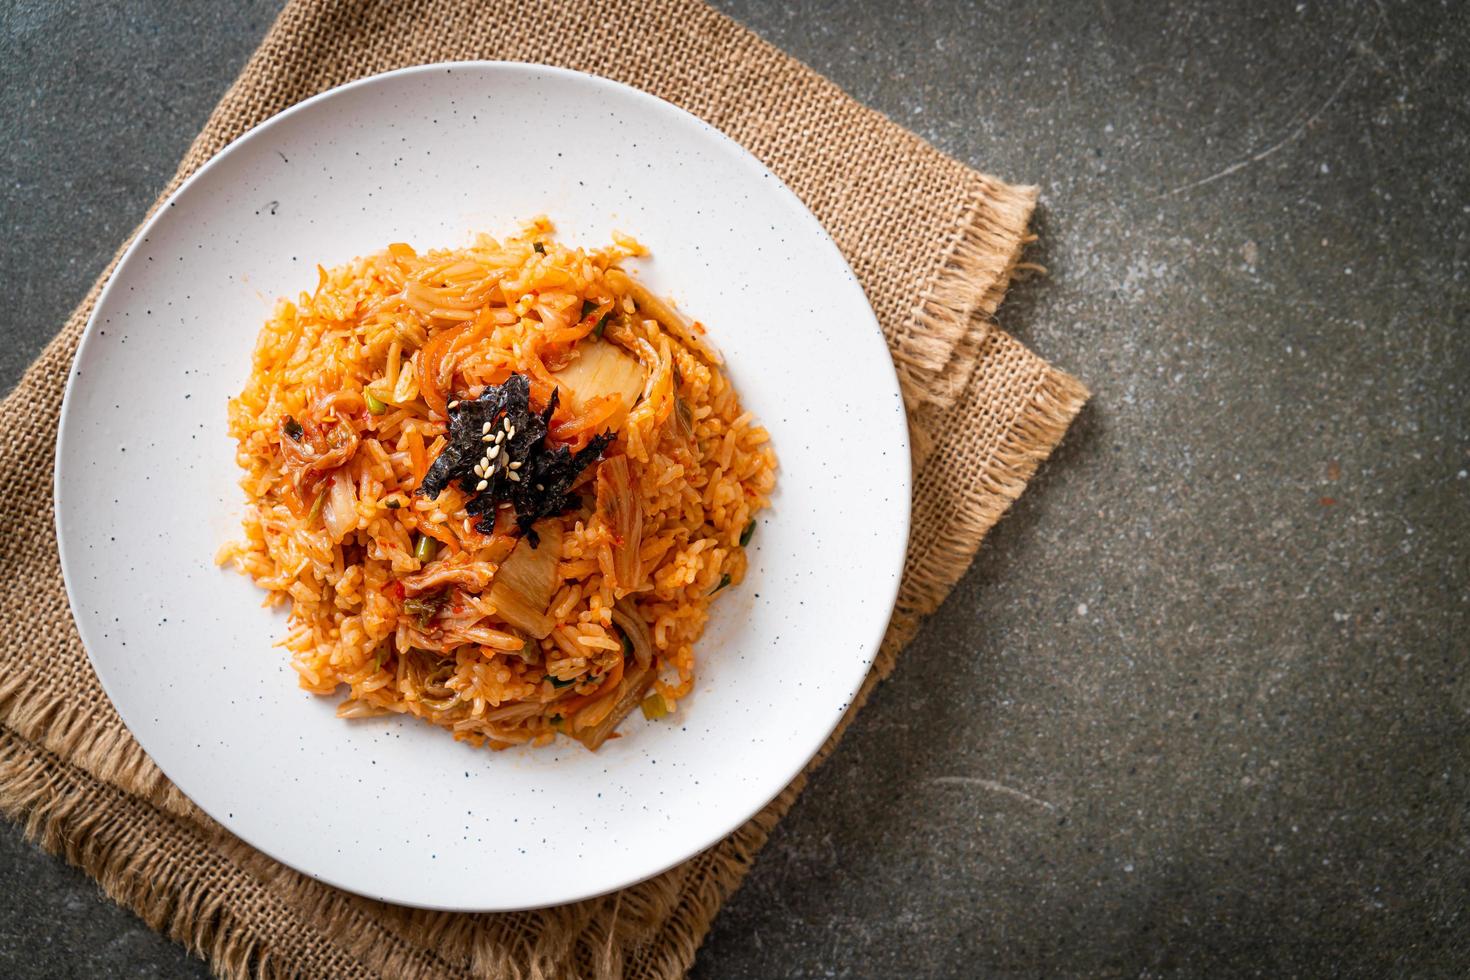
486, 439
499, 437
484, 428
511, 432
505, 421
540, 487
481, 485
494, 451
514, 476
454, 404
516, 465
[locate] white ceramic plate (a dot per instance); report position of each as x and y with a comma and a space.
145, 486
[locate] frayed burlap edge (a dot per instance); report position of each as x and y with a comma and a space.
935, 351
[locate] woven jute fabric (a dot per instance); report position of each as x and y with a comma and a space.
934, 243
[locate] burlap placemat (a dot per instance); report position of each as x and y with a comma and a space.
934, 244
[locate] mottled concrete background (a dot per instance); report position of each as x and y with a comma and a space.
1201, 704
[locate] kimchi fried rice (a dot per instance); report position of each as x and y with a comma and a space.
498, 486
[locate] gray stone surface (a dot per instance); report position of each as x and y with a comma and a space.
1201, 704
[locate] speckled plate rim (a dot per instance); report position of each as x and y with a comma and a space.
900, 475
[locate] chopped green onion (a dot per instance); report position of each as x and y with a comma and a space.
601, 325
540, 249
293, 428
558, 682
587, 307
316, 508
654, 706
392, 503
425, 608
747, 534
424, 550
627, 646
376, 406
378, 660
556, 721
724, 581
